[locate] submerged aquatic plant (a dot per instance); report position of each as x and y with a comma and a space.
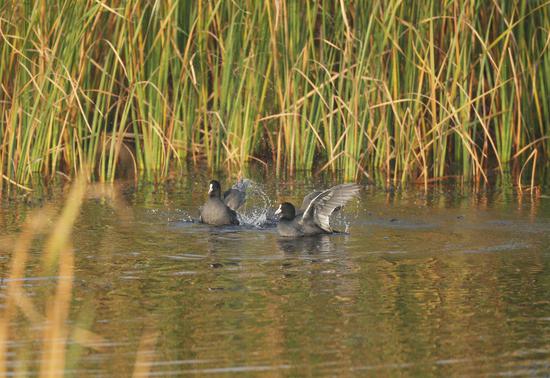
418, 91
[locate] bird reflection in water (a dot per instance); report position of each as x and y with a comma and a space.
309, 244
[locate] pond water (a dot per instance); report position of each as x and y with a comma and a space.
452, 281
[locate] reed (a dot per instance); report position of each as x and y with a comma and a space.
414, 90
58, 258
22, 314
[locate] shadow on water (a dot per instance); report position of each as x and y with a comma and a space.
446, 282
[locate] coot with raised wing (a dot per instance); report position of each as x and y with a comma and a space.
218, 212
318, 207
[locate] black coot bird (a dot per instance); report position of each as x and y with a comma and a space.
218, 212
314, 216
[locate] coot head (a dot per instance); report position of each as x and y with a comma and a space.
214, 189
287, 210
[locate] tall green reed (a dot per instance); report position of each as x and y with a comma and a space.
417, 91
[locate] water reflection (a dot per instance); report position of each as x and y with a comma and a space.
440, 283
306, 245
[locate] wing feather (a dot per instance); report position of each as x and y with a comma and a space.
307, 199
236, 196
323, 205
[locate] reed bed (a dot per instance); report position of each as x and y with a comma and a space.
416, 90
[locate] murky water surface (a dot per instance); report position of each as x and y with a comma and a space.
448, 282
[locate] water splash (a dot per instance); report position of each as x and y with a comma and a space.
341, 220
257, 211
183, 216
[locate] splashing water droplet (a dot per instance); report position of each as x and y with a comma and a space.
257, 207
339, 221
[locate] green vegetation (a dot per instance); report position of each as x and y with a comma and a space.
418, 90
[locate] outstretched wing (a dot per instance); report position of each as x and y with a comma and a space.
235, 197
323, 205
307, 199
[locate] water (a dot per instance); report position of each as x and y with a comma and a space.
451, 282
